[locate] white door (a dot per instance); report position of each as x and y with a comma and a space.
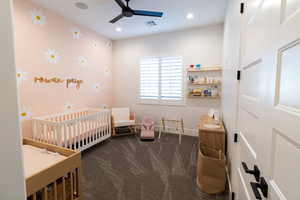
269, 99
231, 62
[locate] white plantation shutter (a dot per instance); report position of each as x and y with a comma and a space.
171, 74
149, 78
161, 79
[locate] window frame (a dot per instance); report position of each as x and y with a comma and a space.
160, 101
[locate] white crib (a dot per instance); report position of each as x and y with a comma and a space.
77, 130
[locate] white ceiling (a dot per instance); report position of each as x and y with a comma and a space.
100, 12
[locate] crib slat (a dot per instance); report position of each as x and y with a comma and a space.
103, 127
89, 130
78, 174
72, 189
75, 182
109, 124
81, 133
98, 126
34, 123
76, 135
59, 136
64, 188
66, 136
93, 129
55, 190
45, 193
44, 132
71, 136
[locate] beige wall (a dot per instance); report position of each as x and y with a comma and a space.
199, 45
12, 184
79, 53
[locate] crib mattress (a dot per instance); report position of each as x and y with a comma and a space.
37, 160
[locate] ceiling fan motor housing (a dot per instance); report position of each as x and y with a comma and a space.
128, 12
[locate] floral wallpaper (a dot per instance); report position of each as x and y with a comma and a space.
49, 45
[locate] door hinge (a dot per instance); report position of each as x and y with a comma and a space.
238, 75
232, 196
242, 9
236, 137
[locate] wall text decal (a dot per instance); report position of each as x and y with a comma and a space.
59, 80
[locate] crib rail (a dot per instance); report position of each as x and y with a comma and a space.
63, 188
74, 130
61, 181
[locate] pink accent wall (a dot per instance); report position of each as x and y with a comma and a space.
78, 53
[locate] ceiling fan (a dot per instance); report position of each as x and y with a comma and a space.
128, 12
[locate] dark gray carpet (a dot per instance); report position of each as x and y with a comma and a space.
127, 169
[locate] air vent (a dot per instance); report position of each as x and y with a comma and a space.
151, 23
81, 5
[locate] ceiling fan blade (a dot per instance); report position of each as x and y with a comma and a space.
121, 4
114, 20
147, 13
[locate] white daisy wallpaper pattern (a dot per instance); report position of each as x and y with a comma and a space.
48, 45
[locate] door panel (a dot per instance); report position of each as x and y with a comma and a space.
289, 26
289, 77
283, 165
251, 78
261, 21
289, 9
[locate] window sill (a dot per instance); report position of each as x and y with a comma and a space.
161, 103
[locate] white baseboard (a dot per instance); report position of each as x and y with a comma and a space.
187, 131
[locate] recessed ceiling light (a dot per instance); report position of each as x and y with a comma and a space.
81, 5
119, 29
190, 16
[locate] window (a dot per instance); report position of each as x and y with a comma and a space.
161, 80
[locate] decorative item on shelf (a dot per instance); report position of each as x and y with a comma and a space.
203, 80
204, 93
198, 66
214, 92
197, 92
191, 79
192, 66
207, 92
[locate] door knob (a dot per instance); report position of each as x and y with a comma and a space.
263, 186
255, 172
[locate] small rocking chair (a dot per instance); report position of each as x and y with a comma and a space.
147, 129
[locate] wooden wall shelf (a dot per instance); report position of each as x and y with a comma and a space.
206, 69
203, 97
205, 84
